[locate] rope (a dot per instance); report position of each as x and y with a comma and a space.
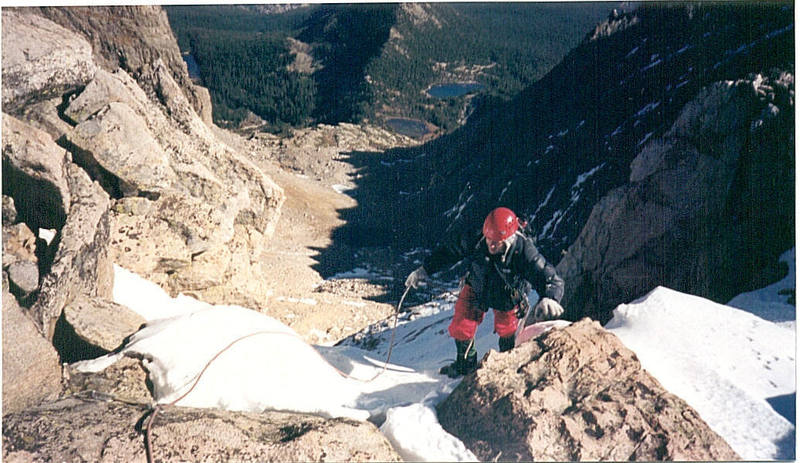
391, 339
148, 443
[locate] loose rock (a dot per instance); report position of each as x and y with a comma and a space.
24, 278
100, 322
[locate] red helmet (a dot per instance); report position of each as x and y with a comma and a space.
500, 224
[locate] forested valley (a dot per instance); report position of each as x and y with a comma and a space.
293, 67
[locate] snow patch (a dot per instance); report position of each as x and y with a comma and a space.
724, 362
341, 189
644, 139
402, 429
772, 302
650, 66
543, 203
649, 107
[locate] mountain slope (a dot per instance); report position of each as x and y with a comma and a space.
569, 139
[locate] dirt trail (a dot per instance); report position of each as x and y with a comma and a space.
321, 310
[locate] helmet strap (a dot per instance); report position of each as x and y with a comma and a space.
509, 242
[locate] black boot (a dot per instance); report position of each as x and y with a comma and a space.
506, 344
466, 360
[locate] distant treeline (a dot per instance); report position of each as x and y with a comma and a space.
243, 56
516, 43
243, 62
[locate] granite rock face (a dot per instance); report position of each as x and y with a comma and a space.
706, 195
93, 430
31, 368
40, 59
574, 394
132, 38
51, 192
203, 209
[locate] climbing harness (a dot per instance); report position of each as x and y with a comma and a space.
148, 443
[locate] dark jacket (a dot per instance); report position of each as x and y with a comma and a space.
493, 278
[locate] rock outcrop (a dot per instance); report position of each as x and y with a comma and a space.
41, 60
198, 215
709, 189
77, 429
31, 369
51, 192
188, 212
574, 394
132, 38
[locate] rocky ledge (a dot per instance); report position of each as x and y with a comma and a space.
574, 394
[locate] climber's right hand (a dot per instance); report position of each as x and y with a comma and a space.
417, 277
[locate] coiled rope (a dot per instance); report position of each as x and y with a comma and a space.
148, 442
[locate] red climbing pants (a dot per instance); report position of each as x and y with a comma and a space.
468, 316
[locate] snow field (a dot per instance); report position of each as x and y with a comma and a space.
725, 362
722, 361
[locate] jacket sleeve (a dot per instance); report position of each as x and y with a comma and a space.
450, 252
541, 274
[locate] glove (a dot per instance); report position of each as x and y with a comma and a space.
547, 309
416, 278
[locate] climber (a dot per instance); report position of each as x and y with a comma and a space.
503, 266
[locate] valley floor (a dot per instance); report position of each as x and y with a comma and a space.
321, 303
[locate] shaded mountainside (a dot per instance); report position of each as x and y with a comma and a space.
569, 139
346, 38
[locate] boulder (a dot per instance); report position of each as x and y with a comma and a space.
575, 393
9, 210
124, 380
31, 368
40, 59
81, 264
106, 87
19, 243
178, 144
34, 169
100, 322
76, 429
116, 140
24, 278
701, 197
132, 38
